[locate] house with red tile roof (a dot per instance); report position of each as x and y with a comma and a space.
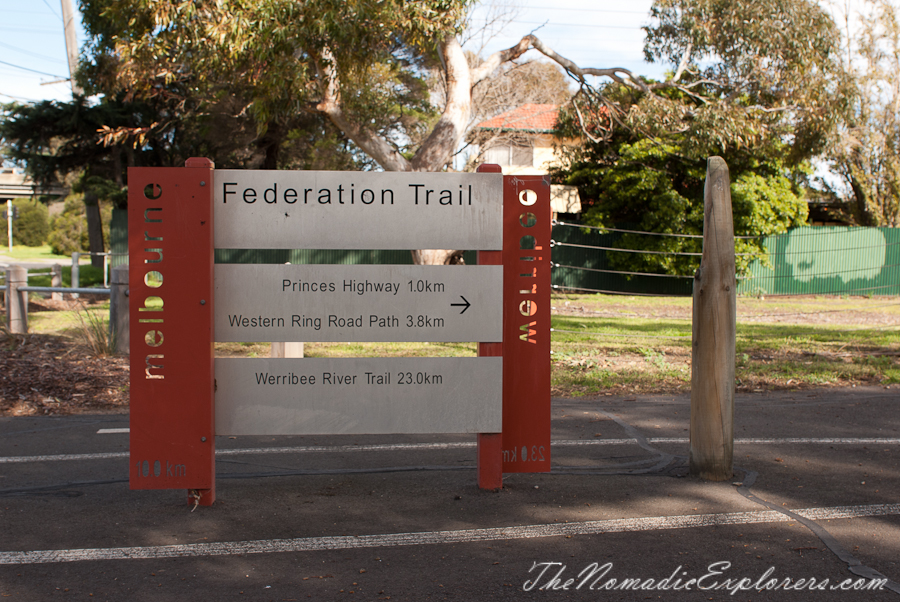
520, 141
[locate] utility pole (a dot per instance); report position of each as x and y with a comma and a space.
71, 44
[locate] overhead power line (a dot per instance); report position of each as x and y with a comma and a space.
42, 31
555, 24
28, 52
580, 10
32, 70
55, 14
22, 98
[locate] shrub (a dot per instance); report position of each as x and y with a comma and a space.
68, 230
32, 227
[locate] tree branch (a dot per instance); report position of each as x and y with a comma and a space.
582, 125
448, 132
682, 64
579, 73
450, 129
372, 144
493, 62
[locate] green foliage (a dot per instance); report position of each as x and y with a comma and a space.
651, 186
866, 154
55, 138
248, 76
68, 233
95, 331
151, 115
758, 72
766, 205
68, 230
32, 226
762, 87
103, 189
88, 276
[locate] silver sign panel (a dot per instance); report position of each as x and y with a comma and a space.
317, 396
313, 303
357, 210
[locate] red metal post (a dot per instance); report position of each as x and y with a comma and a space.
526, 324
170, 234
490, 445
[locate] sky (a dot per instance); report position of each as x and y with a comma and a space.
33, 51
591, 33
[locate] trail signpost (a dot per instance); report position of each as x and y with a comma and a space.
181, 303
358, 303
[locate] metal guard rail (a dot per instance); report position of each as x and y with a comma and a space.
60, 289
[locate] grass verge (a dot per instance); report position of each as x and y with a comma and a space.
634, 345
23, 253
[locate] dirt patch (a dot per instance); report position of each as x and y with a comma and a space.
46, 374
43, 374
857, 311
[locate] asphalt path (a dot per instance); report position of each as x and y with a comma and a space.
814, 503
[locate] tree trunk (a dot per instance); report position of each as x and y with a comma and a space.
437, 257
270, 144
95, 228
449, 131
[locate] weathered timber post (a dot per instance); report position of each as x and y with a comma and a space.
76, 257
16, 300
56, 281
118, 310
281, 349
714, 324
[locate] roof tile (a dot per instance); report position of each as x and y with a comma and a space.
528, 117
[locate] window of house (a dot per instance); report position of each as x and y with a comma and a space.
510, 154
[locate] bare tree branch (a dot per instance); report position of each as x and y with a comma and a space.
581, 124
498, 58
579, 73
682, 64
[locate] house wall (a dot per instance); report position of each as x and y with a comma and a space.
541, 158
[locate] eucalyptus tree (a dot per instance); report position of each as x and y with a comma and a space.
866, 153
759, 83
742, 74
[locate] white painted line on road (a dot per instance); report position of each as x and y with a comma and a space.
458, 445
112, 431
745, 441
347, 542
62, 457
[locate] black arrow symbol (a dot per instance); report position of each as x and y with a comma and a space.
465, 305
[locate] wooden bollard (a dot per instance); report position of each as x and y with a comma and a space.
714, 333
16, 300
56, 281
118, 310
286, 350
